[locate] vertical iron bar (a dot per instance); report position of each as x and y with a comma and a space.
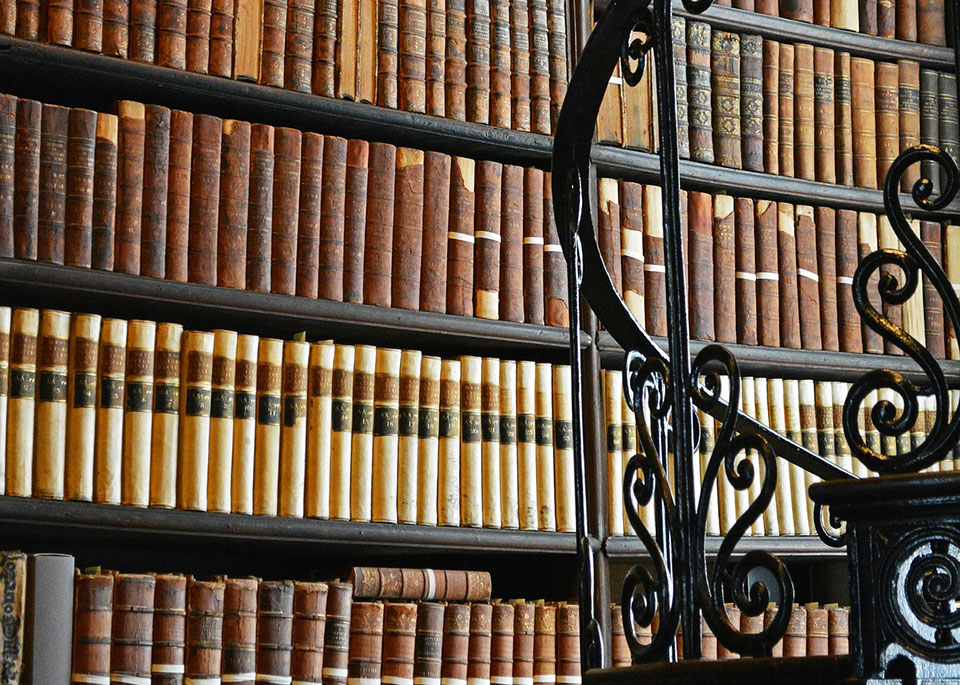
661, 440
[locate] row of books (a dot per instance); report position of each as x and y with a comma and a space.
146, 414
100, 626
793, 110
767, 273
807, 412
500, 63
191, 197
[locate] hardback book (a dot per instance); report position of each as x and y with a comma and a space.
233, 211
275, 629
825, 114
804, 113
178, 194
26, 175
500, 60
784, 493
478, 650
456, 641
724, 269
794, 425
746, 271
366, 639
844, 14
808, 278
266, 473
544, 431
886, 18
823, 398
913, 308
309, 623
325, 48
545, 643
887, 117
563, 449
131, 638
138, 413
679, 33
949, 128
528, 515
293, 428
298, 46
930, 121
355, 218
557, 42
244, 424
408, 229
786, 110
608, 229
336, 633
610, 122
49, 455
52, 183
490, 442
795, 639
166, 416
428, 646
487, 240
204, 200
455, 69
308, 219
169, 629
771, 106
116, 30
887, 239
361, 451
612, 395
424, 584
204, 633
520, 65
511, 244
631, 249
436, 222
412, 65
698, 92
787, 259
448, 461
272, 40
619, 647
156, 163
540, 61
246, 42
319, 430
748, 401
751, 101
109, 428
864, 122
509, 493
399, 642
426, 485
286, 209
13, 570
378, 240
81, 399
346, 60
93, 622
847, 242
501, 642
48, 619
654, 269
826, 239
196, 364
771, 524
908, 101
478, 61
906, 20
930, 233
386, 435
8, 137
524, 614
556, 312
130, 150
171, 33
239, 656
471, 448
701, 253
951, 264
838, 629
725, 95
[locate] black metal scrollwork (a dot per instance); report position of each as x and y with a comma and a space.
635, 49
829, 537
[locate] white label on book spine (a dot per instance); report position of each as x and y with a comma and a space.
487, 235
431, 583
500, 680
533, 240
464, 237
426, 681
478, 681
363, 681
553, 247
768, 276
844, 280
453, 681
808, 274
523, 681
201, 681
305, 682
174, 669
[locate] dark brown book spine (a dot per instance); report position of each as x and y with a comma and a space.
308, 220
272, 45
556, 311
309, 622
407, 229
545, 644
8, 146
156, 163
455, 71
336, 633
800, 10
204, 199
399, 643
868, 16
92, 623
500, 92
456, 642
355, 218
169, 629
222, 26
511, 246
172, 34
131, 647
785, 114
533, 247
631, 248
299, 45
930, 233
746, 271
888, 117
178, 194
725, 93
557, 24
487, 239
909, 112
701, 253
198, 36
698, 92
931, 22
804, 114
204, 629
838, 630
428, 651
771, 107
654, 271
808, 279
412, 69
539, 66
751, 102
143, 31
460, 237
59, 22
724, 270
366, 640
949, 126
378, 240
260, 208
332, 216
88, 25
843, 109
789, 293
848, 321
116, 30
26, 175
501, 643
388, 29
825, 115
104, 192
478, 650
286, 208
568, 643
325, 48
274, 629
478, 61
864, 123
520, 112
53, 180
234, 199
768, 274
795, 639
435, 57
78, 212
239, 659
886, 18
130, 187
436, 222
825, 220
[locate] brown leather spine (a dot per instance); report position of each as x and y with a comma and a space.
366, 640
619, 647
824, 115
789, 293
204, 199
868, 16
631, 248
533, 247
701, 254
8, 146
428, 651
332, 216
930, 233
336, 633
825, 220
87, 25
239, 657
608, 230
500, 93
545, 643
460, 237
864, 123
478, 651
325, 48
169, 629
274, 628
53, 180
511, 246
654, 279
867, 244
412, 69
808, 279
486, 256
298, 53
116, 30
698, 92
568, 643
523, 639
222, 27
436, 222
751, 102
78, 212
949, 128
178, 194
260, 208
501, 643
786, 94
931, 22
557, 24
887, 18
378, 240
172, 34
888, 117
838, 630
746, 271
817, 636
399, 642
92, 624
795, 639
768, 270
478, 61
407, 229
906, 19
520, 112
308, 220
539, 66
848, 321
143, 30
821, 12
286, 208
156, 162
204, 628
804, 113
59, 20
132, 634
435, 57
455, 71
843, 111
556, 311
26, 174
456, 641
387, 48
725, 92
800, 10
724, 270
198, 35
909, 114
771, 107
309, 622
272, 45
28, 19
129, 187
104, 192
355, 218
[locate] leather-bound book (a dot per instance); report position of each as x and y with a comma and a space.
196, 375
332, 218
545, 643
455, 71
771, 523
428, 435
274, 629
768, 615
355, 218
701, 254
435, 57
222, 33
8, 135
109, 441
808, 278
81, 400
204, 199
795, 639
166, 417
724, 270
367, 43
87, 25
448, 467
233, 210
346, 60
471, 470
286, 210
309, 623
478, 651
266, 473
130, 151
399, 642
501, 643
654, 270
631, 248
336, 633
511, 246
490, 442
887, 103
308, 218
708, 641
341, 411
679, 33
156, 162
26, 176
239, 658
751, 101
539, 66
746, 271
143, 30
132, 633
408, 425
526, 446
825, 115
613, 421
204, 629
273, 37
608, 229
784, 493
407, 229
366, 639
53, 172
931, 22
93, 622
725, 94
178, 195
843, 113
825, 221
246, 40
909, 115
456, 641
520, 65
838, 629
867, 244
172, 33
823, 414
8, 17
169, 629
460, 236
556, 312
387, 24
789, 288
949, 128
51, 405
361, 451
500, 63
378, 241
319, 430
864, 123
817, 635
821, 12
800, 10
382, 497
260, 208
138, 413
906, 19
298, 48
487, 240
324, 48
698, 92
568, 643
478, 61
436, 217
533, 246
848, 321
888, 240
116, 29
222, 411
523, 641
412, 44
886, 18
198, 35
619, 647
786, 110
244, 425
543, 426
795, 432
771, 107
557, 25
930, 233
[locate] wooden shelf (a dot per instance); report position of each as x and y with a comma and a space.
789, 363
76, 78
34, 284
807, 547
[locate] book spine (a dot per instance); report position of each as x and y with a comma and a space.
239, 655
631, 248
319, 430
436, 218
166, 418
808, 279
847, 259
8, 136
429, 97
204, 199
399, 642
906, 20
325, 48
949, 128
367, 43
523, 641
355, 218
156, 162
886, 18
609, 230
539, 66
386, 439
478, 649
81, 383
520, 112
132, 634
298, 48
795, 639
266, 473
336, 635
619, 647
654, 271
888, 240
388, 30
698, 92
309, 622
408, 433
232, 214
797, 482
533, 247
500, 93
87, 25
448, 468
568, 643
490, 442
260, 208
930, 233
543, 426
274, 629
199, 16
701, 254
751, 101
455, 71
332, 219
204, 633
309, 215
799, 10
244, 424
487, 240
887, 117
786, 109
130, 154
428, 447
109, 423
408, 229
745, 271
725, 94
286, 209
556, 311
52, 183
563, 448
222, 411
169, 629
346, 55
116, 29
178, 195
195, 400
460, 236
866, 244
412, 47
838, 630
48, 617
428, 647
361, 449
456, 643
378, 240
172, 34
724, 269
341, 431
768, 274
804, 113
557, 41
771, 107
511, 246
471, 465
789, 287
864, 123
509, 489
931, 22
826, 240
825, 115
143, 30
93, 622
909, 115
26, 175
138, 413
366, 640
222, 30
679, 33
843, 110
51, 404
501, 643
545, 644
613, 422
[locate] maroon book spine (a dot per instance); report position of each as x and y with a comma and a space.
332, 208
260, 208
53, 180
78, 215
156, 162
930, 233
701, 278
746, 275
486, 255
789, 295
848, 321
26, 174
378, 241
556, 311
8, 146
130, 186
355, 219
724, 270
178, 194
286, 208
104, 192
88, 25
204, 199
308, 223
116, 30
172, 34
222, 27
234, 204
533, 246
511, 246
808, 279
436, 222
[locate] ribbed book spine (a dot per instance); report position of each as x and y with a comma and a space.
366, 640
725, 93
308, 220
309, 622
408, 428
399, 643
864, 123
456, 642
825, 114
511, 245
132, 634
407, 229
487, 240
545, 644
930, 233
724, 269
319, 430
609, 230
428, 648
286, 209
412, 46
169, 629
196, 374
804, 113
949, 128
867, 244
460, 237
204, 630
436, 222
332, 219
746, 271
156, 162
143, 30
478, 650
612, 404
826, 232
539, 66
358, 458
325, 48
887, 117
336, 634
455, 71
701, 254
771, 107
520, 65
355, 218
808, 278
768, 274
8, 137
266, 473
386, 438
378, 241
786, 110
239, 656
789, 293
751, 101
848, 320
130, 151
298, 45
178, 194
509, 498
204, 199
908, 95
260, 208
341, 420
93, 621
698, 92
556, 311
172, 34
109, 441
500, 63
26, 175
53, 171
234, 204
138, 413
654, 271
81, 400
87, 25
563, 448
631, 248
273, 37
428, 441
843, 110
222, 410
51, 405
166, 416
274, 630
490, 442
116, 29
448, 469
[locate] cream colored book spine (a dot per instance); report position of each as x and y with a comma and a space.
509, 497
341, 427
835, 394
771, 523
293, 427
613, 400
244, 425
49, 461
222, 410
707, 443
138, 413
563, 449
727, 494
546, 483
409, 439
196, 362
428, 450
386, 438
22, 400
471, 472
319, 430
361, 452
778, 421
448, 466
108, 457
490, 441
748, 397
808, 426
5, 320
798, 484
81, 404
951, 264
246, 62
527, 445
166, 416
266, 468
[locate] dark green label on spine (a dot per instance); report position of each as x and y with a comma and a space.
111, 393
341, 412
52, 387
470, 427
294, 408
221, 403
268, 410
198, 402
166, 398
84, 391
139, 396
